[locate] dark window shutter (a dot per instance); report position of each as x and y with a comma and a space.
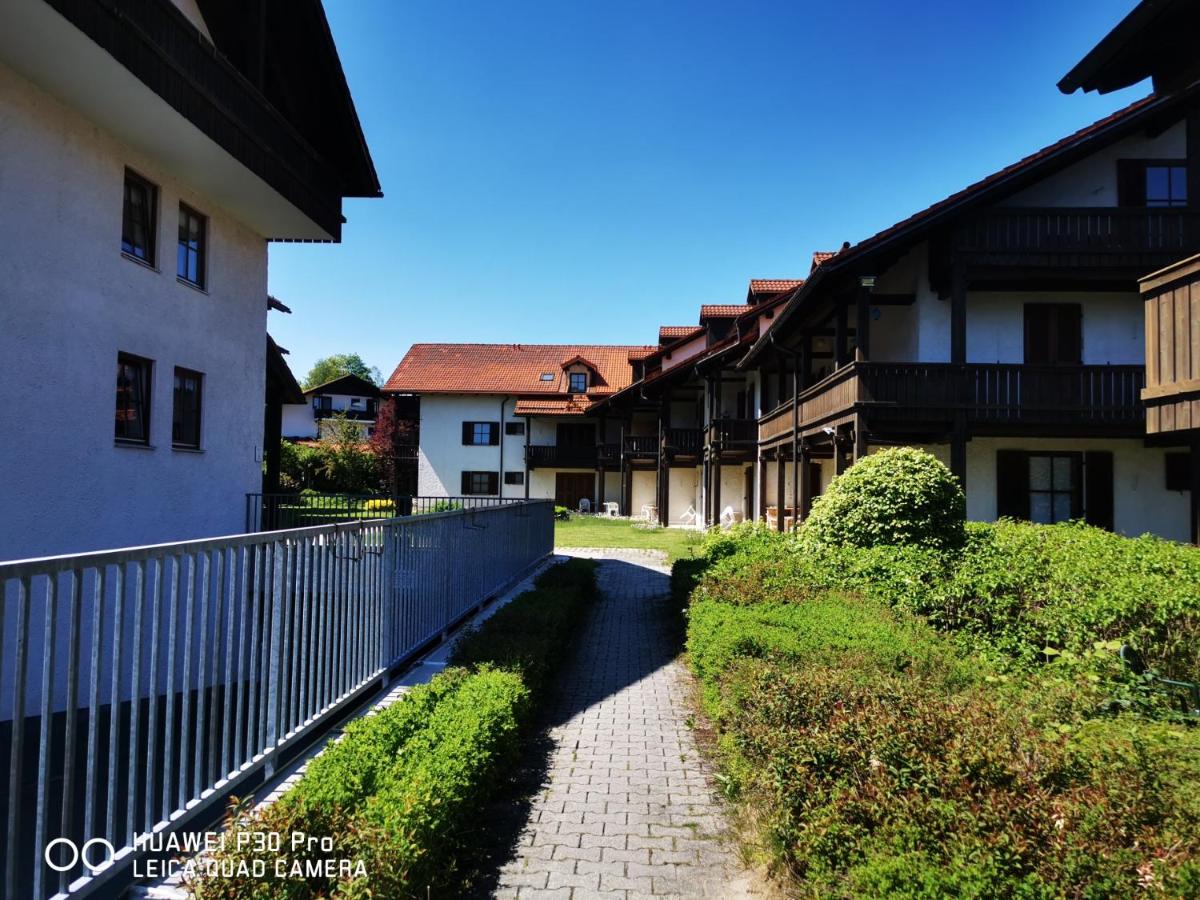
493, 482
465, 488
1098, 488
468, 434
1131, 182
493, 433
1012, 484
1069, 334
1038, 348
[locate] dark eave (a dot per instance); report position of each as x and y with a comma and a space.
1156, 40
862, 258
157, 44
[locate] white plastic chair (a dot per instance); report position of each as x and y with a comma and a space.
611, 509
689, 517
728, 517
585, 505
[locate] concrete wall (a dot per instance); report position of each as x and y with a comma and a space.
1113, 326
299, 421
69, 302
443, 457
642, 490
685, 494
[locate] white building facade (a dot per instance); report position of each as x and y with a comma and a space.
134, 286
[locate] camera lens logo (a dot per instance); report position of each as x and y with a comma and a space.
75, 854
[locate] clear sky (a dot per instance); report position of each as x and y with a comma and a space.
585, 171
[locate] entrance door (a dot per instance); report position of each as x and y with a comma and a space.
571, 487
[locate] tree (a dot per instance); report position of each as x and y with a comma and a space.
331, 367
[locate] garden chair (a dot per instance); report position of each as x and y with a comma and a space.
728, 517
689, 517
585, 506
612, 510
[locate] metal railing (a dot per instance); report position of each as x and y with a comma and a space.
273, 512
140, 688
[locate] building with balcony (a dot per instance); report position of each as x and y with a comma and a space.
1001, 329
151, 151
349, 397
516, 420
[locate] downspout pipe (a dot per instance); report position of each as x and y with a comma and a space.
500, 486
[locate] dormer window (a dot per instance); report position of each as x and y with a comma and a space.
579, 382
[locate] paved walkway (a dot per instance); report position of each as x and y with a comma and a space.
626, 809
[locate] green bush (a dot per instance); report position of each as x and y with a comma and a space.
874, 760
562, 513
532, 633
900, 496
402, 789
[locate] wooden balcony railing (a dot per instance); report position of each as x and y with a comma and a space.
608, 454
641, 445
986, 392
561, 457
1047, 235
683, 440
729, 432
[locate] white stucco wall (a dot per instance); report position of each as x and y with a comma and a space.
642, 490
685, 493
443, 457
69, 302
686, 351
1141, 502
1093, 181
298, 420
1113, 326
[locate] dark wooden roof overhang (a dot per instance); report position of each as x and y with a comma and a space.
875, 254
276, 101
1156, 40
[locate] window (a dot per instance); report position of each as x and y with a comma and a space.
514, 477
480, 434
139, 219
322, 405
514, 428
193, 246
1152, 182
1053, 334
579, 382
185, 421
480, 483
547, 376
1053, 488
133, 399
1050, 487
356, 403
1178, 471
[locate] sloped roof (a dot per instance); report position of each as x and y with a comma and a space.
723, 310
575, 405
506, 368
668, 333
819, 256
999, 184
773, 285
350, 385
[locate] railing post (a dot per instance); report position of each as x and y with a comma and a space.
276, 645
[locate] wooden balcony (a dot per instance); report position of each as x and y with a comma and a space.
540, 456
683, 441
1141, 239
641, 446
732, 434
991, 395
1172, 393
608, 454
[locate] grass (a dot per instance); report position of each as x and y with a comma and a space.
593, 531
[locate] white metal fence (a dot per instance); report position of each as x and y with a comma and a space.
140, 687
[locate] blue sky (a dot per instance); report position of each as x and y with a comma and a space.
586, 171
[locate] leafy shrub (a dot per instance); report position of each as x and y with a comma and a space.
899, 496
445, 506
877, 761
562, 513
382, 504
531, 633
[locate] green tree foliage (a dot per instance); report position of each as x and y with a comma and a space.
330, 367
900, 496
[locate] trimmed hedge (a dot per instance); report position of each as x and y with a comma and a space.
874, 760
402, 788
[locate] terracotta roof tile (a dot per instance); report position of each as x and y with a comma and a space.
723, 310
507, 368
640, 353
575, 405
774, 285
674, 332
819, 256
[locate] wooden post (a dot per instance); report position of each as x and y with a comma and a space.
860, 437
839, 450
958, 314
715, 471
958, 449
780, 500
805, 495
862, 323
840, 356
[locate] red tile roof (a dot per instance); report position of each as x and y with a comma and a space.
819, 256
568, 406
507, 368
640, 353
773, 285
723, 310
674, 332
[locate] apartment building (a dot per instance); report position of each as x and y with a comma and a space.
151, 151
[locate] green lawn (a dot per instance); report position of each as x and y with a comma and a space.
592, 531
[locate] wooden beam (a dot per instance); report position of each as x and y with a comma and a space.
780, 487
958, 314
958, 450
840, 354
860, 437
803, 493
862, 324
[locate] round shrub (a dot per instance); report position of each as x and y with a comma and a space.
900, 496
